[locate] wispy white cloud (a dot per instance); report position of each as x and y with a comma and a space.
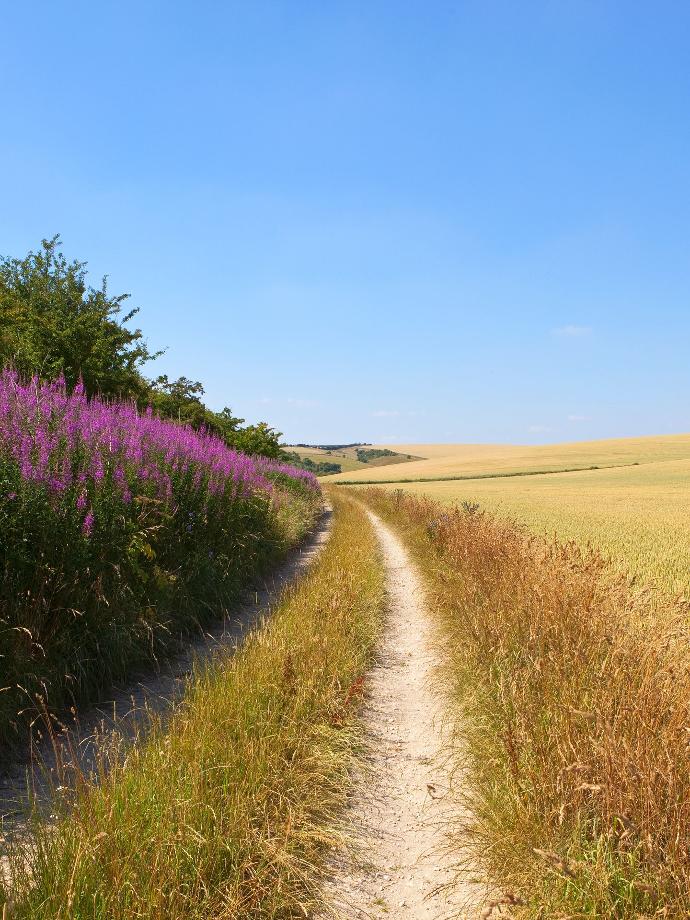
571, 331
578, 418
534, 429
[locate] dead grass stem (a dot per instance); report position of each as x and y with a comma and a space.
570, 690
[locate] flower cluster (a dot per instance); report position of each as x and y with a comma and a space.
120, 532
73, 445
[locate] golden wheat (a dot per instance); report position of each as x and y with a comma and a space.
638, 516
467, 460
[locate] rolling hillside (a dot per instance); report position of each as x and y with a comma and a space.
348, 459
446, 461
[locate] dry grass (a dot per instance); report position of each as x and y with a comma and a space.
472, 460
227, 813
638, 516
571, 696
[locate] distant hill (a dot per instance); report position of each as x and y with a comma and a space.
462, 461
333, 446
350, 457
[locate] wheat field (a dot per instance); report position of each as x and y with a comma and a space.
637, 516
637, 513
468, 460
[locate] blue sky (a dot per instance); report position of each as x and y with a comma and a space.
381, 221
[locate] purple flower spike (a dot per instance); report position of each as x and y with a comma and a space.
76, 450
87, 526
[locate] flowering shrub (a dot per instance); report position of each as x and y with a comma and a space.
118, 532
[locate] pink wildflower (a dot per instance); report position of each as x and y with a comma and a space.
87, 526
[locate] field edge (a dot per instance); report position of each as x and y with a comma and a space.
231, 815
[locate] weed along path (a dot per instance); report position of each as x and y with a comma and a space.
125, 717
404, 803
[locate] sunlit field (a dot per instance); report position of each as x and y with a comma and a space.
467, 460
635, 507
639, 516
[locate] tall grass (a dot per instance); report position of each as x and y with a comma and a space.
227, 813
571, 693
118, 532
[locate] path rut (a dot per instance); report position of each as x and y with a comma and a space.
127, 711
405, 802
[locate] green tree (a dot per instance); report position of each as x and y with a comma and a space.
181, 400
52, 323
178, 399
259, 439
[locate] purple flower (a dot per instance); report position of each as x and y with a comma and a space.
72, 447
87, 526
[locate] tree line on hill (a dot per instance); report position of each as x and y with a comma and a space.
318, 468
326, 467
364, 455
364, 452
53, 324
330, 447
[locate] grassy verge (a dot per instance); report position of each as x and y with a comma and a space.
120, 611
227, 813
120, 532
572, 694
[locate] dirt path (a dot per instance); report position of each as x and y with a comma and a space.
127, 711
405, 800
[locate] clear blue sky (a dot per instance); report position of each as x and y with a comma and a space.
381, 221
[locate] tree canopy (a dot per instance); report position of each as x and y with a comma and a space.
53, 324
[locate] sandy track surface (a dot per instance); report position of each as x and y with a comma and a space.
127, 711
404, 803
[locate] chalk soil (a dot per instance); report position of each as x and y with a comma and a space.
402, 810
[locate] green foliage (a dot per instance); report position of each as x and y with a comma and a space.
229, 810
178, 399
330, 447
322, 468
52, 323
257, 439
364, 455
181, 400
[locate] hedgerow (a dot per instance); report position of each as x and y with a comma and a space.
119, 532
